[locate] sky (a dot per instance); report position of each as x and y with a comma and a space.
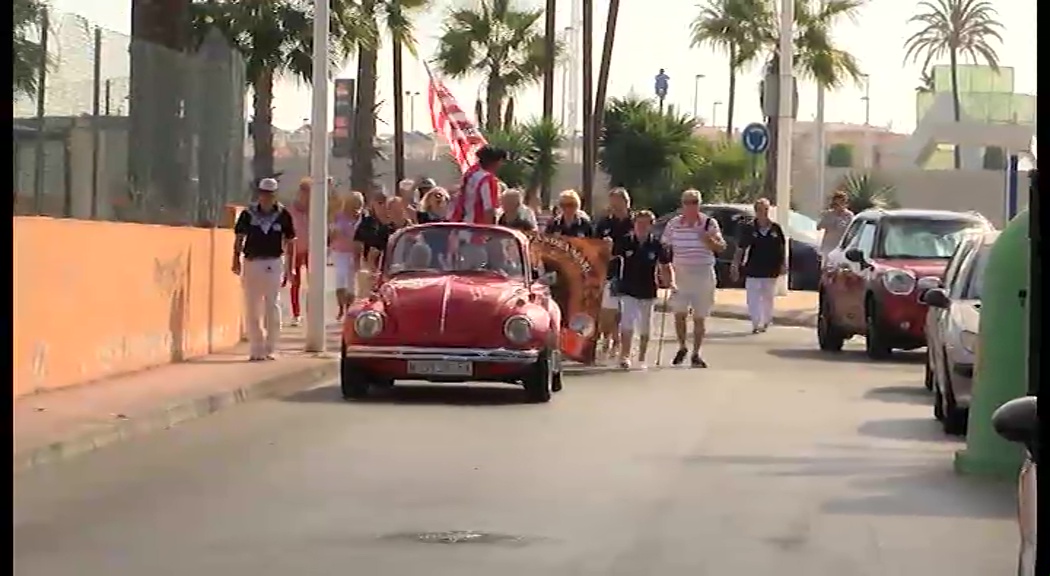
654, 34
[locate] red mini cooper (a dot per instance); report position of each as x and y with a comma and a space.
870, 284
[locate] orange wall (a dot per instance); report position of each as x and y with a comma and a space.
93, 299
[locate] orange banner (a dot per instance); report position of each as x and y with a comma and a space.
580, 264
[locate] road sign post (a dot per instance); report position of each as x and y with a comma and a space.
755, 138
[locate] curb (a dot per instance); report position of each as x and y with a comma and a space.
805, 320
174, 415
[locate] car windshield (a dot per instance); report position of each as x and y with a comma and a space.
975, 276
443, 249
923, 237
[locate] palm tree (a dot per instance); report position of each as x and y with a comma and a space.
276, 39
817, 57
28, 53
502, 42
866, 192
729, 25
955, 28
377, 16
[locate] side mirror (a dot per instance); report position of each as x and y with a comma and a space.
855, 255
936, 298
547, 279
1018, 421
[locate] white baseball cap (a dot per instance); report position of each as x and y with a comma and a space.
268, 185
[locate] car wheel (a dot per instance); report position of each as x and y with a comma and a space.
928, 370
540, 384
955, 417
556, 379
875, 344
352, 383
829, 337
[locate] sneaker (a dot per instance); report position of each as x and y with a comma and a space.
625, 363
256, 358
764, 327
294, 322
679, 357
697, 361
642, 366
756, 329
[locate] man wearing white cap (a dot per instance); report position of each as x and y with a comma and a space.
264, 234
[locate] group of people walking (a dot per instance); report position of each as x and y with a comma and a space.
272, 251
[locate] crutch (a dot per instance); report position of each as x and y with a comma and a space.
663, 327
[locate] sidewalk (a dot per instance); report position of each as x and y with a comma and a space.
57, 425
796, 309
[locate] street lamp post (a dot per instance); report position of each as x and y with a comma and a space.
411, 109
696, 93
867, 120
315, 313
785, 123
714, 113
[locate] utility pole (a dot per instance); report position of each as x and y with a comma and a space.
550, 41
785, 123
696, 95
588, 102
317, 263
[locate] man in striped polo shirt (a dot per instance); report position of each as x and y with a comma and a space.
695, 239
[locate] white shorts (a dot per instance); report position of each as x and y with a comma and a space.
695, 291
610, 301
345, 272
636, 315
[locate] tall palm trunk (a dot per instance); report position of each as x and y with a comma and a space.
731, 102
399, 115
362, 173
550, 41
262, 126
603, 75
953, 61
493, 102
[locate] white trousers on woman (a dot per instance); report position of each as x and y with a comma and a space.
761, 293
261, 279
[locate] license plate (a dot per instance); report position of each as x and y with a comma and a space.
440, 368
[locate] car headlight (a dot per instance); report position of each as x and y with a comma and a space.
368, 324
518, 329
582, 324
899, 282
968, 340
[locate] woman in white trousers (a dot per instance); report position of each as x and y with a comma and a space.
262, 256
761, 252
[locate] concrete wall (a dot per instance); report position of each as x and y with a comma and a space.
93, 299
979, 190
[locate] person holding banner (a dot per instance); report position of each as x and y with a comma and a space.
570, 221
479, 194
613, 227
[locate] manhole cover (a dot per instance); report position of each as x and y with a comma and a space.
458, 537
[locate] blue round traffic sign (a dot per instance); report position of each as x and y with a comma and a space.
756, 138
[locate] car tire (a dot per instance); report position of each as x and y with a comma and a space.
875, 344
556, 383
352, 383
540, 383
955, 418
928, 375
829, 337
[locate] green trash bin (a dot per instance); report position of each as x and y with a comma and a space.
1000, 373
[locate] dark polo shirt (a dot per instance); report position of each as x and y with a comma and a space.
264, 231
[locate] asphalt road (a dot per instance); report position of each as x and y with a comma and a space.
776, 460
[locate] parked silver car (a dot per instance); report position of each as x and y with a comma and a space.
951, 331
1018, 421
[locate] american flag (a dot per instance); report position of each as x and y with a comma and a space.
449, 120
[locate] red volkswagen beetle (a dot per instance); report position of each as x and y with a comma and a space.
455, 303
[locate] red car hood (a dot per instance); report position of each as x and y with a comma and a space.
921, 268
450, 310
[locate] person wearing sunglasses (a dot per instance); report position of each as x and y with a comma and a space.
571, 220
695, 239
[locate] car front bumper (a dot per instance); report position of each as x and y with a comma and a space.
487, 364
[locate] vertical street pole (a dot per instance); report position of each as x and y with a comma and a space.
96, 105
1035, 282
588, 102
399, 107
867, 122
107, 97
315, 297
696, 95
785, 124
550, 33
1011, 207
41, 82
822, 152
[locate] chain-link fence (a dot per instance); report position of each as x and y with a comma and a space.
119, 129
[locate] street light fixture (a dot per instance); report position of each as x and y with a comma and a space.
696, 93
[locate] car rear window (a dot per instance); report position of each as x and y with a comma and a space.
922, 238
